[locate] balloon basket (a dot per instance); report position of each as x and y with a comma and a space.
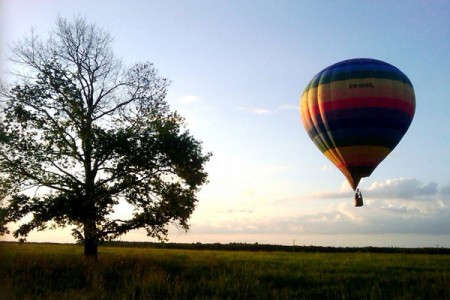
358, 200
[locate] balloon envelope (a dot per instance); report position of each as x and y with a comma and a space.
356, 111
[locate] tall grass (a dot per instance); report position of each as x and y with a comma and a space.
37, 271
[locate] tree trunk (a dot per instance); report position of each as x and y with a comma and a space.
90, 241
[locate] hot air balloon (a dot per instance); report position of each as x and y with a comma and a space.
356, 111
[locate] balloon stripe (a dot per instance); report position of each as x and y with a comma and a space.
358, 154
356, 136
354, 86
360, 118
367, 102
358, 68
331, 75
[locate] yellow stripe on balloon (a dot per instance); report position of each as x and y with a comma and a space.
358, 154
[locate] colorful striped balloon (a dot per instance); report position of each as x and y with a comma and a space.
356, 111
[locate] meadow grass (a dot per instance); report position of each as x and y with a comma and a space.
52, 271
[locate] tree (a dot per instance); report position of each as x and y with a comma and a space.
80, 133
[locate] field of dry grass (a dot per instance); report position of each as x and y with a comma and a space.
52, 271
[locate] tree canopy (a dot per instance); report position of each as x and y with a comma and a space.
81, 132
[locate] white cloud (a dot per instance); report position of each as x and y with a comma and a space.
325, 168
262, 110
423, 209
289, 107
444, 192
340, 218
396, 188
188, 99
402, 188
256, 110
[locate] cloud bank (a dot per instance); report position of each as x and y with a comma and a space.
256, 110
395, 207
265, 110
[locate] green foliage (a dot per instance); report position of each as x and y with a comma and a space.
81, 132
36, 271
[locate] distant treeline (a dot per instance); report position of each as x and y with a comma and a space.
269, 248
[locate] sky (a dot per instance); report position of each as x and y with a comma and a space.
238, 69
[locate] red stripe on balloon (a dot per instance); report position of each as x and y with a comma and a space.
366, 163
366, 102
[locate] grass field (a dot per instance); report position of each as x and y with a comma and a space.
45, 271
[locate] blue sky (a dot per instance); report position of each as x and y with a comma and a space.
238, 69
